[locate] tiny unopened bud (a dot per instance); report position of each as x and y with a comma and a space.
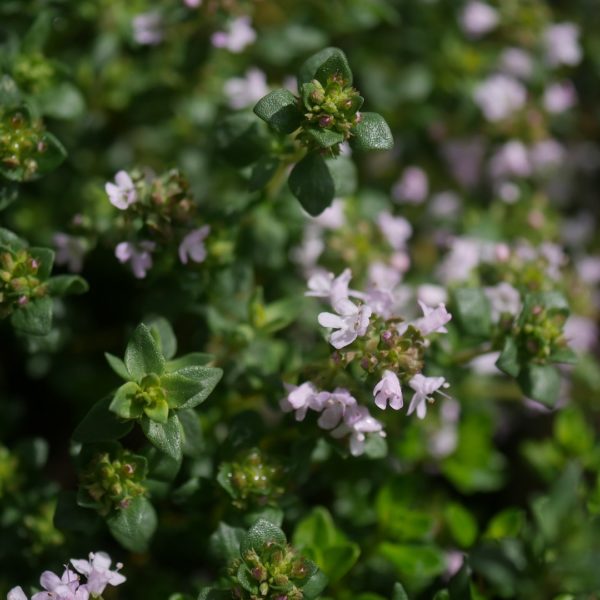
536, 310
42, 146
128, 469
264, 588
124, 504
325, 121
35, 264
386, 336
358, 117
23, 300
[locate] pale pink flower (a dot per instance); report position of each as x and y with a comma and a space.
334, 406
560, 96
512, 159
412, 187
547, 154
478, 18
16, 593
433, 319
98, 573
357, 422
300, 399
351, 322
192, 246
70, 251
139, 255
499, 96
122, 193
516, 62
562, 44
504, 299
396, 230
239, 34
388, 390
61, 588
246, 91
147, 28
333, 216
192, 3
424, 388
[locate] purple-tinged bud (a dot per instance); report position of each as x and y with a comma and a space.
325, 121
23, 300
124, 503
365, 363
42, 146
35, 264
536, 310
128, 469
386, 336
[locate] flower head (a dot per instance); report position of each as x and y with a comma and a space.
477, 18
98, 573
499, 96
147, 28
433, 319
561, 42
66, 587
122, 193
424, 388
351, 321
138, 255
388, 390
192, 246
412, 187
70, 251
238, 35
300, 398
396, 230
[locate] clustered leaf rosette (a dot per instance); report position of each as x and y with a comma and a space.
27, 150
26, 286
325, 114
158, 387
251, 480
267, 567
535, 342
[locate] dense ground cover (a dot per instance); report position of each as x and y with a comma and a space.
299, 299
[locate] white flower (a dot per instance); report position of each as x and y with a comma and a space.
244, 91
192, 246
300, 399
138, 255
478, 18
396, 230
16, 593
431, 294
424, 388
562, 44
61, 588
123, 194
433, 319
98, 573
239, 34
351, 321
388, 390
499, 96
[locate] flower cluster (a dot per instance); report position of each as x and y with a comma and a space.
156, 211
69, 585
19, 281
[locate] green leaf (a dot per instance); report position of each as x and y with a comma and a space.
325, 138
563, 355
179, 389
461, 524
311, 182
134, 526
507, 523
314, 586
35, 318
376, 447
540, 382
45, 257
207, 377
167, 437
242, 140
193, 439
418, 562
213, 594
473, 311
372, 133
69, 516
11, 240
193, 359
399, 593
225, 542
163, 333
62, 101
324, 64
245, 579
9, 192
262, 172
122, 402
100, 425
61, 285
344, 175
280, 110
143, 355
508, 361
157, 411
259, 535
117, 365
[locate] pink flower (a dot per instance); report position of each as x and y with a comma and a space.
357, 422
512, 159
238, 35
516, 62
562, 44
396, 230
300, 399
559, 97
192, 246
424, 388
98, 573
351, 321
388, 390
499, 96
61, 588
334, 406
192, 3
478, 18
70, 251
412, 187
138, 255
16, 593
333, 216
147, 28
245, 91
433, 319
122, 193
